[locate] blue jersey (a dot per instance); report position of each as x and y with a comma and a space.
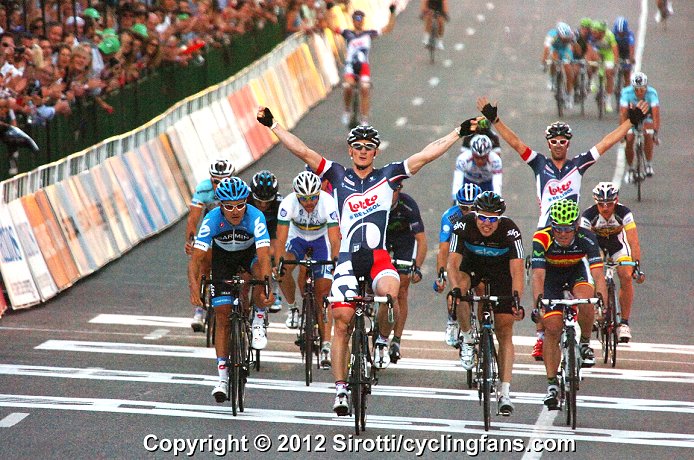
204, 195
624, 43
448, 220
216, 229
564, 50
628, 96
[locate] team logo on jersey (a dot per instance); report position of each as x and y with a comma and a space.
459, 225
333, 215
350, 182
283, 213
356, 204
514, 233
557, 188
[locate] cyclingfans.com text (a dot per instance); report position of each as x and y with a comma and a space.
341, 443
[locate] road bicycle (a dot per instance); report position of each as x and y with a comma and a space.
582, 87
601, 95
569, 374
640, 158
362, 373
240, 357
433, 36
559, 86
309, 337
623, 72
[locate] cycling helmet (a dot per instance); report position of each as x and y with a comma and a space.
222, 168
365, 133
467, 194
564, 212
639, 80
306, 183
232, 189
490, 202
264, 185
605, 192
621, 25
564, 30
599, 26
586, 22
480, 145
558, 128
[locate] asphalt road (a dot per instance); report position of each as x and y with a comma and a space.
111, 367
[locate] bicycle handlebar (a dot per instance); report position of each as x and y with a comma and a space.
358, 298
236, 282
570, 302
304, 262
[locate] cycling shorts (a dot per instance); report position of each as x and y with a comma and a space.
402, 247
299, 246
499, 276
556, 279
225, 265
359, 68
607, 58
372, 264
616, 247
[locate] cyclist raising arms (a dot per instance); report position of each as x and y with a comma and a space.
357, 67
427, 9
486, 245
308, 221
203, 201
637, 92
625, 45
364, 195
234, 237
615, 227
563, 254
405, 241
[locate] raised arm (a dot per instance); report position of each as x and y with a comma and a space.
490, 113
289, 140
439, 146
391, 20
634, 116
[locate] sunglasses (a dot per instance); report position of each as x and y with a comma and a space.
256, 198
357, 17
233, 207
558, 141
489, 219
465, 208
307, 197
563, 228
605, 204
363, 146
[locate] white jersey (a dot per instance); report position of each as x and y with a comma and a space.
308, 227
466, 170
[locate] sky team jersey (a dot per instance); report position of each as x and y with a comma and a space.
448, 219
404, 218
363, 204
548, 254
553, 184
628, 96
215, 228
204, 195
501, 246
358, 44
307, 226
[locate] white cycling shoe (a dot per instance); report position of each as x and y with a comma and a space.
466, 355
259, 340
220, 391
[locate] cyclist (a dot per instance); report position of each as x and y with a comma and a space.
487, 245
427, 9
604, 43
625, 46
479, 163
204, 200
364, 196
405, 241
232, 237
308, 222
559, 43
664, 10
615, 227
266, 197
357, 67
564, 253
582, 48
557, 177
464, 200
641, 91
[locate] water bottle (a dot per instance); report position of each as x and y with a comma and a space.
483, 123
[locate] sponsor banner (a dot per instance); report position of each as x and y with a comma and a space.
178, 161
289, 94
102, 234
159, 190
143, 191
14, 266
326, 61
232, 145
209, 133
71, 199
192, 148
111, 198
39, 270
298, 83
157, 162
245, 107
139, 214
319, 90
50, 239
273, 91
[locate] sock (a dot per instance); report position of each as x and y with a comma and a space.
505, 388
381, 339
552, 381
222, 369
341, 386
467, 336
540, 335
624, 321
259, 319
585, 340
395, 339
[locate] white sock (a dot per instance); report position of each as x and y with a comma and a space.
540, 335
222, 369
505, 388
259, 319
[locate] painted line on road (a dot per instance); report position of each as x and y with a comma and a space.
293, 417
156, 334
288, 357
13, 419
447, 394
544, 422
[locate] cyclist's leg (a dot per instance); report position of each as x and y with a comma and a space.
629, 147
608, 58
348, 85
584, 287
344, 285
365, 92
402, 303
626, 290
427, 26
648, 140
323, 281
552, 321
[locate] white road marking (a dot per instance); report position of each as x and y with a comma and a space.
619, 167
402, 121
434, 81
295, 358
480, 18
470, 31
417, 101
448, 62
490, 6
374, 421
459, 46
156, 334
13, 419
543, 423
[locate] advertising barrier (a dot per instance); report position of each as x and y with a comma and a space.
14, 266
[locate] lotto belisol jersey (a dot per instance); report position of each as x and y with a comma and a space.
363, 204
465, 163
216, 229
308, 226
358, 41
553, 184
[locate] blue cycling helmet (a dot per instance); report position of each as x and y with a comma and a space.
621, 25
232, 189
467, 194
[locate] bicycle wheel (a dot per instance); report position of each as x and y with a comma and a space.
487, 376
571, 378
612, 329
559, 92
582, 91
309, 326
640, 167
356, 107
245, 354
234, 361
600, 97
365, 390
355, 378
432, 40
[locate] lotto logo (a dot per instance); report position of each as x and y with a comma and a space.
558, 189
356, 205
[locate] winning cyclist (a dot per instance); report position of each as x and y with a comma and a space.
357, 67
405, 241
479, 164
558, 177
464, 203
364, 195
564, 253
625, 45
308, 222
637, 92
603, 41
427, 9
559, 43
487, 245
204, 200
233, 237
615, 227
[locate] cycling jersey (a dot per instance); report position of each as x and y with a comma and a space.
624, 44
488, 177
448, 219
270, 214
563, 49
304, 225
204, 195
215, 231
582, 43
553, 184
628, 96
404, 223
604, 46
358, 44
611, 233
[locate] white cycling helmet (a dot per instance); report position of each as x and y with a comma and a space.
639, 80
306, 183
564, 30
480, 145
222, 168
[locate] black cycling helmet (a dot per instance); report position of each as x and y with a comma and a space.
490, 202
558, 128
364, 133
264, 186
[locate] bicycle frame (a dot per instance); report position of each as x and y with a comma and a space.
433, 36
640, 156
559, 86
612, 313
